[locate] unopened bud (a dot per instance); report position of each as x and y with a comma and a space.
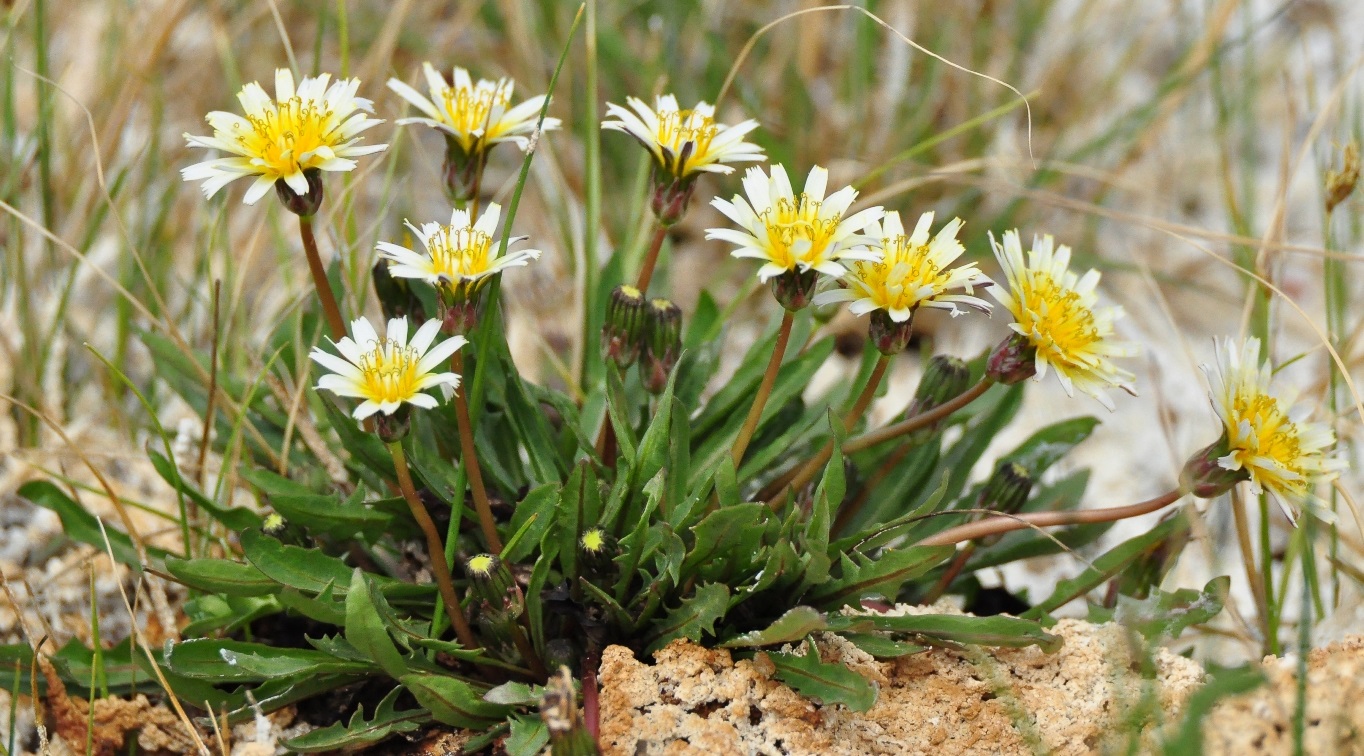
623, 334
945, 378
662, 344
794, 289
491, 579
889, 337
396, 297
1339, 184
304, 205
1013, 361
1205, 477
280, 529
598, 554
1007, 489
460, 309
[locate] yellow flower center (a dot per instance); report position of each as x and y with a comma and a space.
678, 127
469, 110
461, 254
895, 282
390, 372
791, 221
1273, 435
1063, 323
285, 138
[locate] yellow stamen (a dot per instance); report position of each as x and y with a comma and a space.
790, 221
390, 372
284, 140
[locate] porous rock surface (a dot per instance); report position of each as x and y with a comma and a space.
694, 700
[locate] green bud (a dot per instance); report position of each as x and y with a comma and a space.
304, 205
599, 552
662, 344
1204, 477
623, 334
794, 289
491, 580
889, 338
1007, 489
1014, 360
280, 529
945, 378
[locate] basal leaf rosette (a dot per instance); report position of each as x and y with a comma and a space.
1058, 324
289, 138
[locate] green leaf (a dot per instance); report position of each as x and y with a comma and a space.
998, 630
217, 613
311, 572
330, 515
224, 661
1047, 446
359, 732
828, 683
365, 448
452, 701
1163, 615
514, 693
726, 537
235, 518
618, 407
79, 525
860, 575
528, 736
532, 518
881, 646
530, 425
365, 629
220, 576
792, 626
696, 615
1107, 566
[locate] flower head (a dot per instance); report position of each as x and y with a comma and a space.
1055, 312
684, 142
457, 259
1264, 437
912, 273
387, 373
474, 116
796, 232
311, 127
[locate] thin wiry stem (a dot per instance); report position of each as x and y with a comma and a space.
471, 468
921, 420
646, 273
755, 412
434, 549
335, 323
1008, 523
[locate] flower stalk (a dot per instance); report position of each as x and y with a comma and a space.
1000, 524
646, 273
434, 548
335, 323
917, 422
469, 454
755, 412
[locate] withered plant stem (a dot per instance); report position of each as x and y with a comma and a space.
755, 412
1005, 524
471, 468
812, 466
335, 323
434, 548
646, 273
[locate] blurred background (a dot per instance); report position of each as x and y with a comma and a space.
1177, 146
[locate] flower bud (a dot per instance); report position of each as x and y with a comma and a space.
304, 205
889, 337
280, 529
1007, 489
623, 334
662, 344
794, 289
945, 378
1013, 361
460, 309
394, 427
1205, 477
1340, 184
396, 297
491, 580
599, 552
